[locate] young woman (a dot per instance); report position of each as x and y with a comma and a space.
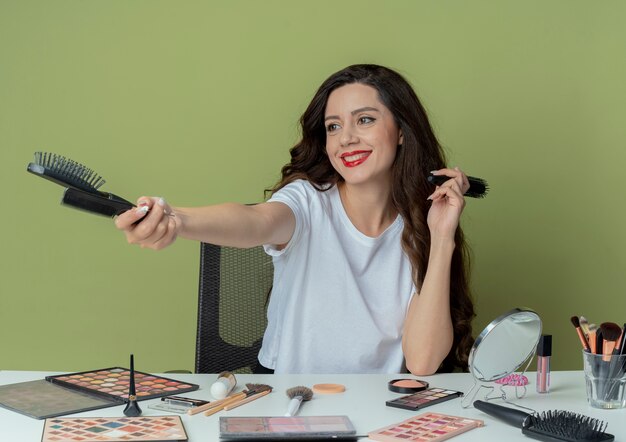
370, 264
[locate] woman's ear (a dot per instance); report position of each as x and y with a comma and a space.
400, 138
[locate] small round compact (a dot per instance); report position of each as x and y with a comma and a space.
407, 385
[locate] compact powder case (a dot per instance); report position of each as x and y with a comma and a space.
407, 385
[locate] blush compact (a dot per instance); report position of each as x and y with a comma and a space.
407, 385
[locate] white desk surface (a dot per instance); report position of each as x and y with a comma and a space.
363, 402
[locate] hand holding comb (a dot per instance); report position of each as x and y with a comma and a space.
478, 187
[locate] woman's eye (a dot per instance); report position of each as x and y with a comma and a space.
332, 127
366, 120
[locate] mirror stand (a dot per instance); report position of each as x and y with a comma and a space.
507, 344
492, 393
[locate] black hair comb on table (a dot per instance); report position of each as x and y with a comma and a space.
551, 426
81, 184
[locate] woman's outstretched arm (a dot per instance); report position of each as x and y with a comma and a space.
154, 224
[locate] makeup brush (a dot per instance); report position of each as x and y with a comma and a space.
581, 336
584, 325
246, 400
619, 348
132, 407
216, 406
550, 425
592, 338
478, 187
610, 336
297, 395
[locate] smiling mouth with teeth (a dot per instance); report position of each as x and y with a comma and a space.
352, 159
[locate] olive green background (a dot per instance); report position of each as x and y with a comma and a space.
199, 102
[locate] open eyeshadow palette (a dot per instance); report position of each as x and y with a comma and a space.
114, 429
287, 428
429, 427
424, 398
114, 382
89, 390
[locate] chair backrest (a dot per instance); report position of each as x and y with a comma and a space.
232, 299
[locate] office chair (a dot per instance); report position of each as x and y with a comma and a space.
234, 288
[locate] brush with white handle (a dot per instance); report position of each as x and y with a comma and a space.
297, 396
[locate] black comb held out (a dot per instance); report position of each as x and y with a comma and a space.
551, 426
81, 184
478, 187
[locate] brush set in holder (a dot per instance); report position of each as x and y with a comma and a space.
82, 185
604, 360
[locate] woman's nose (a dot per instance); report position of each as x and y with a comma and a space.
348, 136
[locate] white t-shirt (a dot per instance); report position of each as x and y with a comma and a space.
339, 298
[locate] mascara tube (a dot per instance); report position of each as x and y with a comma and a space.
544, 352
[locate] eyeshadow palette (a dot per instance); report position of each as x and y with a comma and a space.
425, 427
424, 398
114, 382
41, 399
286, 428
114, 429
90, 390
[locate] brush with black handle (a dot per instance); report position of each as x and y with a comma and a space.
478, 187
82, 184
551, 426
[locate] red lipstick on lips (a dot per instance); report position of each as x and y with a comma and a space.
362, 156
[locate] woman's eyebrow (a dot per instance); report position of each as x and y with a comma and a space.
356, 111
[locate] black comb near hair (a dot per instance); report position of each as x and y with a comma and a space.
478, 187
81, 184
551, 426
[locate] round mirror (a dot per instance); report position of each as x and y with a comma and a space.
504, 345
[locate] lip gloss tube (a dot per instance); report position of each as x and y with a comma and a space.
544, 352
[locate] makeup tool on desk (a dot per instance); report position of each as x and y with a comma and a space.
84, 391
328, 388
544, 353
224, 384
604, 365
132, 407
591, 337
611, 333
581, 334
424, 398
584, 325
407, 385
432, 427
247, 399
505, 345
253, 391
550, 425
297, 395
177, 404
478, 187
114, 383
287, 428
114, 429
215, 406
81, 182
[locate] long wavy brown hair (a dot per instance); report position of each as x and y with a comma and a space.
420, 153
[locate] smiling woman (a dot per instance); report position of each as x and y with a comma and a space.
370, 261
361, 131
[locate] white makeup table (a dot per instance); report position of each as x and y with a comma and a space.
363, 402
